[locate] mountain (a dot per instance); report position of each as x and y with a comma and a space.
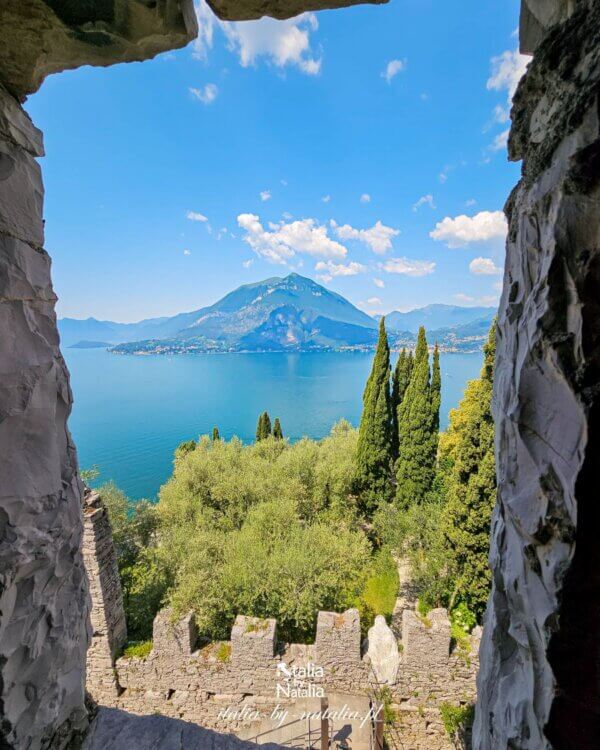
280, 314
435, 317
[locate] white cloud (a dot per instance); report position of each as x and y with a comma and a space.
206, 24
484, 267
378, 237
284, 183
265, 195
207, 94
285, 240
500, 141
408, 267
195, 216
392, 69
281, 43
424, 200
379, 283
501, 114
329, 269
187, 252
468, 300
374, 301
248, 263
462, 230
470, 202
326, 198
507, 70
365, 198
442, 177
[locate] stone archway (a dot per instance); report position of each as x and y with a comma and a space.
540, 675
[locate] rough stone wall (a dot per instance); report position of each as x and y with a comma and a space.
43, 601
432, 672
231, 686
107, 615
539, 684
338, 638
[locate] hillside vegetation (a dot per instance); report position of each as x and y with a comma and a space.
278, 530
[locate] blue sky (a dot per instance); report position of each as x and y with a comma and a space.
361, 147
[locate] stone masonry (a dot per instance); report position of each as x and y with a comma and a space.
231, 685
109, 629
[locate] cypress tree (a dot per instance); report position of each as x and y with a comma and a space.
259, 428
277, 431
374, 450
467, 448
415, 464
215, 434
400, 381
267, 431
436, 400
263, 428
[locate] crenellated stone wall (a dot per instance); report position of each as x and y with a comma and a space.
233, 685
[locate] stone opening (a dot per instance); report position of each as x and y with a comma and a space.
540, 652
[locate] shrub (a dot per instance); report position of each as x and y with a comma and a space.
223, 653
139, 649
457, 719
380, 590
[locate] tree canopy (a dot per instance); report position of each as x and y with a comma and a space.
374, 452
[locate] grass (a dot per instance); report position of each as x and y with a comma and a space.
223, 653
139, 649
381, 589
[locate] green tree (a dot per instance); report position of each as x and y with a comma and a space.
374, 453
215, 434
277, 431
436, 401
400, 381
415, 467
184, 448
263, 428
467, 449
267, 426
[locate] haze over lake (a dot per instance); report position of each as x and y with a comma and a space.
131, 413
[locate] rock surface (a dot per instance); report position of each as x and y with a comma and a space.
539, 682
382, 650
246, 10
39, 37
43, 599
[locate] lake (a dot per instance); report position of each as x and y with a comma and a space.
130, 413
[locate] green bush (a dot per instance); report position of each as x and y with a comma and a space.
457, 719
380, 590
223, 653
139, 649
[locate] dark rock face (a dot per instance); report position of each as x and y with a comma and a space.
539, 683
43, 597
247, 10
39, 37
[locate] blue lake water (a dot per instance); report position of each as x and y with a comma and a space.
131, 413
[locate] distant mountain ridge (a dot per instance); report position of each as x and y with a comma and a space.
293, 313
437, 316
